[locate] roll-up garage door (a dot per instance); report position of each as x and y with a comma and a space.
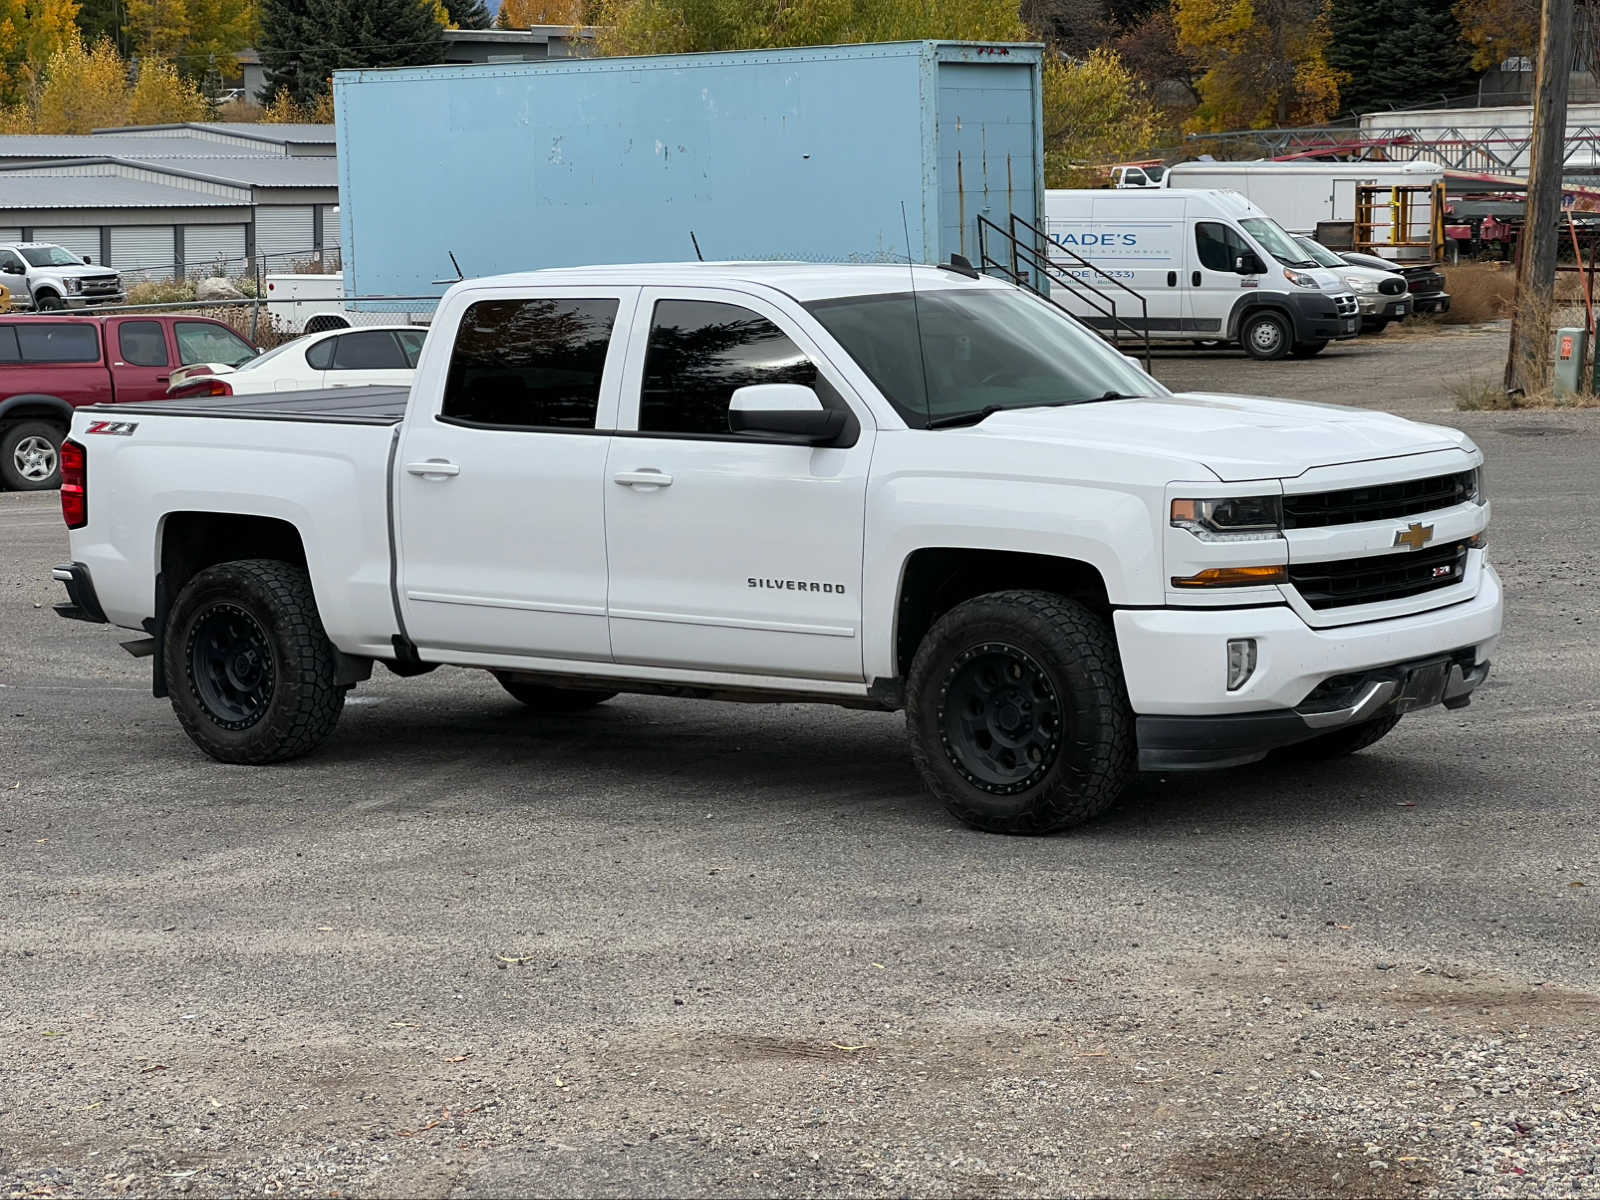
144, 251
10, 235
213, 249
330, 226
284, 236
79, 240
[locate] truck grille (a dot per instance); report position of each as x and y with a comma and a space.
100, 285
1348, 305
1382, 577
1391, 287
1380, 502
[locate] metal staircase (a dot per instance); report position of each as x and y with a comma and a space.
1029, 257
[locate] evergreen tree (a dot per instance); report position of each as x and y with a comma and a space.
303, 42
1397, 53
287, 29
102, 19
468, 14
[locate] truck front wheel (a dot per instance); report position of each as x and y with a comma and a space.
251, 671
541, 698
1265, 335
1017, 713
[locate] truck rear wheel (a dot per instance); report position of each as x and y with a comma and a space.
251, 671
1017, 713
1265, 335
542, 698
30, 456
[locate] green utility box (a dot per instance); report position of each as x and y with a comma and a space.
1571, 349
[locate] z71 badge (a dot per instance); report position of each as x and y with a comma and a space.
114, 428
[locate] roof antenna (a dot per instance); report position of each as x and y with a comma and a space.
916, 312
698, 256
459, 276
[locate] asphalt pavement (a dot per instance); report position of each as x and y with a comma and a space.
682, 948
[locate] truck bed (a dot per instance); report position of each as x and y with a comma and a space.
336, 406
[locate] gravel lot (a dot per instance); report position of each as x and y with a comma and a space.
673, 948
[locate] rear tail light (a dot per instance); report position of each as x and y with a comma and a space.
74, 485
203, 387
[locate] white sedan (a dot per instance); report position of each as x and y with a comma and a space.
369, 356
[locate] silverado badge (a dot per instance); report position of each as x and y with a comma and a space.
1414, 535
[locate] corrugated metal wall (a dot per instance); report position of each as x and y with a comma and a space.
143, 251
78, 239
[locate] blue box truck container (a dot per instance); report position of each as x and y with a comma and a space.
806, 153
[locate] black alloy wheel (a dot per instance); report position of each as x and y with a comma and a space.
1000, 718
231, 664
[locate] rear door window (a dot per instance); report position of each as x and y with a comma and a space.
142, 343
411, 343
534, 363
51, 342
370, 350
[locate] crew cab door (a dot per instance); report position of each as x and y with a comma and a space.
500, 475
141, 359
728, 552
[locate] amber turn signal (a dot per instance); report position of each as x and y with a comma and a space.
1215, 577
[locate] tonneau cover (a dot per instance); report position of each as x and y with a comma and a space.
341, 406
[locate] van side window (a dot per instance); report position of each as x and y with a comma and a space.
529, 364
700, 352
1218, 245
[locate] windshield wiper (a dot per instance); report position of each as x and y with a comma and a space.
966, 418
1111, 395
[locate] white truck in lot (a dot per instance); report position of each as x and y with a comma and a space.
873, 486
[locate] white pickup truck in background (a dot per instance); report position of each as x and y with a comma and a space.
798, 483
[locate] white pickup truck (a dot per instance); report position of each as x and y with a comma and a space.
780, 482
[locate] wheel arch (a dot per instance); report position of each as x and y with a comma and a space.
1248, 305
36, 406
934, 579
189, 542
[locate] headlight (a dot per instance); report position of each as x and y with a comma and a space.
1477, 492
1357, 284
1237, 519
1301, 279
74, 285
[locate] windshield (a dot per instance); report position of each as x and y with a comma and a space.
1320, 254
49, 256
1276, 242
980, 350
1154, 174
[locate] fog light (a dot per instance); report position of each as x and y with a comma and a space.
1241, 662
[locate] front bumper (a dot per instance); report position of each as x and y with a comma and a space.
1433, 302
1174, 660
1388, 308
1317, 318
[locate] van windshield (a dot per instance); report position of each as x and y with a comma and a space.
980, 351
1275, 240
1320, 254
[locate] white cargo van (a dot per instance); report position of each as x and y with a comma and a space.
1209, 265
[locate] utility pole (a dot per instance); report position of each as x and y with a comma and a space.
1528, 364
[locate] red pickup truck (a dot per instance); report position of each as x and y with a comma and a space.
50, 365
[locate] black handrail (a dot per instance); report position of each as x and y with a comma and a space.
1042, 264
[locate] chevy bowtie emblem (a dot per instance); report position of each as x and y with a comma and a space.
1414, 535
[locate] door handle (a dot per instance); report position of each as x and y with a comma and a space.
1172, 279
163, 378
1194, 279
433, 467
644, 477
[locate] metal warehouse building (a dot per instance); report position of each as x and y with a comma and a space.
176, 200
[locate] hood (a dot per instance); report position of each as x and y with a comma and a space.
1235, 437
81, 271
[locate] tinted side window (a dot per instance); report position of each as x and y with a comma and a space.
58, 343
700, 352
142, 343
320, 356
1218, 245
411, 343
373, 350
9, 353
530, 364
11, 264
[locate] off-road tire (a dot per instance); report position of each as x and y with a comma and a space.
1254, 339
303, 701
1308, 349
542, 698
1341, 741
1074, 652
14, 436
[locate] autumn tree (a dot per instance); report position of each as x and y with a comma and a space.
1094, 114
31, 32
197, 35
161, 96
1265, 62
1168, 73
525, 14
1499, 29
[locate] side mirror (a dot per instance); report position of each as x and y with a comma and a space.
785, 411
88, 259
1247, 264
